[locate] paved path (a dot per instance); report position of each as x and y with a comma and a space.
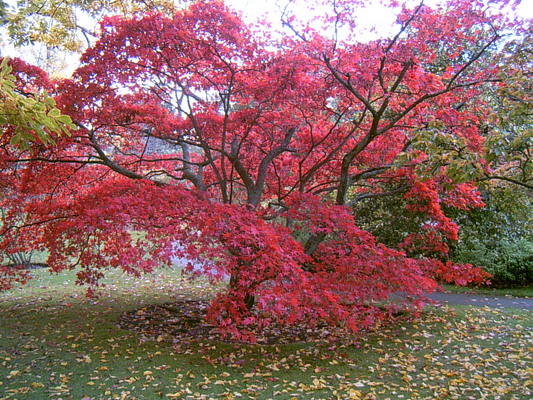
478, 300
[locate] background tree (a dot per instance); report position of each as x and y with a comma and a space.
498, 237
509, 131
56, 30
245, 155
25, 117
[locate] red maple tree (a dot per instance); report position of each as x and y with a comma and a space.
198, 139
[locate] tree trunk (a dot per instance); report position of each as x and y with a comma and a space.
249, 299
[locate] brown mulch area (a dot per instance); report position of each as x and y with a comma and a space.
183, 321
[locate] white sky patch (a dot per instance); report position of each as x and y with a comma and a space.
372, 16
373, 21
525, 9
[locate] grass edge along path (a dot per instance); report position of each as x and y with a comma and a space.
55, 344
524, 291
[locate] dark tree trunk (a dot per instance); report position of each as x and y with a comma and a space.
249, 299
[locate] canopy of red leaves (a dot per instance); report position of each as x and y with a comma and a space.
196, 139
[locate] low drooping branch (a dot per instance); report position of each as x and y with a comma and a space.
401, 189
524, 184
110, 163
35, 223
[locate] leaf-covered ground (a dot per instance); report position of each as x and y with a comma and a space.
55, 344
184, 321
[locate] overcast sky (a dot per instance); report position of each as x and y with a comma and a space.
373, 15
259, 7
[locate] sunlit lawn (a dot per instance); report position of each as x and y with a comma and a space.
56, 344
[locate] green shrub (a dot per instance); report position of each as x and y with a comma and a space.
498, 237
509, 262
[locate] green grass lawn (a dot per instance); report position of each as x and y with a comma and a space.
56, 344
525, 291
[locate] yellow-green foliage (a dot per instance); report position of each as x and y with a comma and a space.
62, 24
34, 117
